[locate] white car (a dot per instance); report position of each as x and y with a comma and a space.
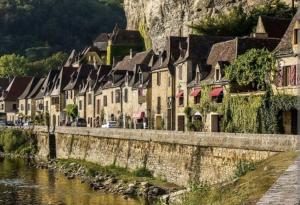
28, 124
110, 124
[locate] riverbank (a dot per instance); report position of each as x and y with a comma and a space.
109, 179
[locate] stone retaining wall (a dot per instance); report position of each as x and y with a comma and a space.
175, 156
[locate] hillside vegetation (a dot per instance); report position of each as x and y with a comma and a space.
38, 28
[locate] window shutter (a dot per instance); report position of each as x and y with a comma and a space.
293, 75
298, 75
280, 77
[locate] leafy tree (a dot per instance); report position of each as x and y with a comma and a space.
237, 22
254, 69
13, 65
72, 111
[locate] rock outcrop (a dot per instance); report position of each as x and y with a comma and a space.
161, 18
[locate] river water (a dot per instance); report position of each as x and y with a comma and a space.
21, 184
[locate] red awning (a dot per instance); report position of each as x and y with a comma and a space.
216, 92
179, 94
196, 92
139, 115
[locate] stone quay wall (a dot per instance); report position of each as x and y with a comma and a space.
178, 157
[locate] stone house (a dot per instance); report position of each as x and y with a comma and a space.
121, 42
4, 82
75, 84
56, 99
27, 103
191, 65
42, 105
163, 84
9, 103
288, 75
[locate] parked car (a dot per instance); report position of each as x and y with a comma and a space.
2, 123
80, 122
110, 124
10, 123
28, 123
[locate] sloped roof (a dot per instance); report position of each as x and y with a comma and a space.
31, 85
128, 64
275, 27
78, 76
103, 37
229, 50
285, 46
16, 88
173, 49
36, 89
47, 84
126, 37
62, 80
199, 47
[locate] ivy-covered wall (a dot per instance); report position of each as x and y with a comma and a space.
256, 114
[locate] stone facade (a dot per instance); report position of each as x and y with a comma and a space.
176, 157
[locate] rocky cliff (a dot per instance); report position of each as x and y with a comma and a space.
161, 18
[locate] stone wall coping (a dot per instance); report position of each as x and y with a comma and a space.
263, 142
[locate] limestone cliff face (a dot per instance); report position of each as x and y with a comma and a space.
161, 18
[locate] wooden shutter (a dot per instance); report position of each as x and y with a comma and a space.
280, 77
293, 75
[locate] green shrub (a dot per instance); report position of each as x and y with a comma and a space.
243, 167
142, 172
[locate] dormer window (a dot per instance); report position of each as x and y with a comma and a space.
126, 78
218, 74
197, 77
140, 78
296, 36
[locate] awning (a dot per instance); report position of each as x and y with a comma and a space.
139, 115
196, 92
216, 92
179, 94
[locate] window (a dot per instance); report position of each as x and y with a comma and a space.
126, 95
98, 107
105, 101
197, 77
169, 82
197, 99
80, 105
22, 107
66, 95
118, 96
296, 36
158, 105
112, 97
158, 79
217, 75
126, 78
14, 106
55, 100
89, 98
141, 78
71, 94
40, 106
286, 75
180, 72
181, 101
2, 106
28, 107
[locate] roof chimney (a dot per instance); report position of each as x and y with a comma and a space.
131, 54
114, 62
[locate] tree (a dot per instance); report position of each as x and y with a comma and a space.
12, 65
72, 111
254, 69
238, 22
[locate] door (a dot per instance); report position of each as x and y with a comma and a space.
181, 123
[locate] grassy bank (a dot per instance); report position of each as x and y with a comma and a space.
17, 141
247, 189
138, 175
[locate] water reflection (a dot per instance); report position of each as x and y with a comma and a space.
21, 184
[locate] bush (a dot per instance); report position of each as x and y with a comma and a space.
243, 167
142, 172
